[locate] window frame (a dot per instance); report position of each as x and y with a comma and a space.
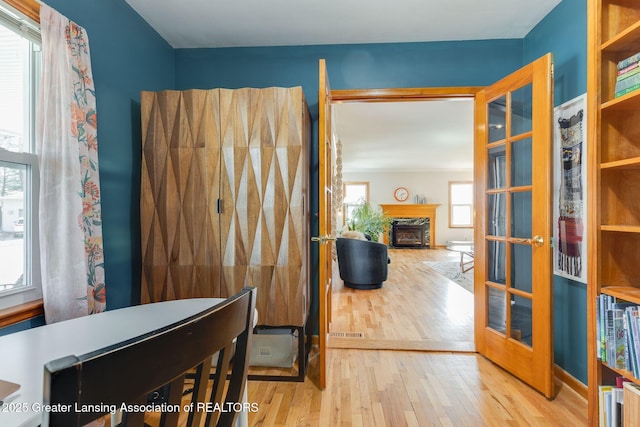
25, 302
345, 206
452, 205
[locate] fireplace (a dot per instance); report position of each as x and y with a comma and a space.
422, 213
410, 233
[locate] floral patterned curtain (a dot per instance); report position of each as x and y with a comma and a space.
71, 249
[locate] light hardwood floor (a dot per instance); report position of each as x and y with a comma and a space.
416, 308
375, 381
389, 386
410, 388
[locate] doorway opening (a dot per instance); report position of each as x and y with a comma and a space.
419, 139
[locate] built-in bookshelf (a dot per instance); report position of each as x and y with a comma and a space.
614, 179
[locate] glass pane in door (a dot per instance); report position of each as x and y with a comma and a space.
497, 313
521, 164
521, 214
521, 273
521, 321
497, 119
521, 110
496, 224
497, 167
497, 262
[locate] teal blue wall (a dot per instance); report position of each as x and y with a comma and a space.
564, 33
350, 66
27, 324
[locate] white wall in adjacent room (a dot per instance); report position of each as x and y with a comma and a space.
434, 185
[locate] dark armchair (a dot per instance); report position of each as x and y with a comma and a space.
363, 264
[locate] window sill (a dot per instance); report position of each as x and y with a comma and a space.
22, 312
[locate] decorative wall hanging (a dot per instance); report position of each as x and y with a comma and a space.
570, 178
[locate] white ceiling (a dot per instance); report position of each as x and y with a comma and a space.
405, 136
393, 136
235, 23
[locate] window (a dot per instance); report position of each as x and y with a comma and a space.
461, 204
19, 179
355, 193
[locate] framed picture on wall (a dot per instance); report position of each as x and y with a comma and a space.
570, 196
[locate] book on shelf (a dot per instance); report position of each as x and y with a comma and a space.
603, 304
627, 90
630, 71
611, 404
628, 61
619, 341
634, 320
617, 400
605, 393
627, 85
618, 334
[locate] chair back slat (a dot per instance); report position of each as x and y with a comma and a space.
124, 374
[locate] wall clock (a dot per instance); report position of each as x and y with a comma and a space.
401, 194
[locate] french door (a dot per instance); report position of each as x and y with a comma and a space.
325, 173
513, 179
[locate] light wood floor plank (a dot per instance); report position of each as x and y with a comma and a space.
375, 381
407, 388
416, 308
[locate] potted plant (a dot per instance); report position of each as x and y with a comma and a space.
368, 221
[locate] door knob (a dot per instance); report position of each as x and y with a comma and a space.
323, 239
537, 241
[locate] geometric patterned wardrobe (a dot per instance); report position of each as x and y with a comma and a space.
224, 200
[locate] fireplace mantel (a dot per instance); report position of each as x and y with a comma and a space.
398, 210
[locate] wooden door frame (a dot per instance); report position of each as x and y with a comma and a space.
403, 94
400, 95
359, 95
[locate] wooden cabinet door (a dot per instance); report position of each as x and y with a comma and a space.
179, 192
263, 184
513, 177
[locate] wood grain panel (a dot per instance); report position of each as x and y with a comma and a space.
264, 186
619, 204
247, 148
617, 16
620, 135
179, 192
12, 315
616, 269
30, 8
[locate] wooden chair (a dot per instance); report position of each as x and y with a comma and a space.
129, 371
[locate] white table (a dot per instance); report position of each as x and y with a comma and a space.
24, 354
